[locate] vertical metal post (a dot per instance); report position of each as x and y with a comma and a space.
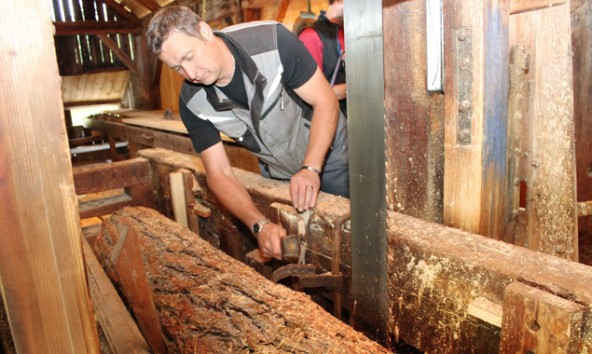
366, 123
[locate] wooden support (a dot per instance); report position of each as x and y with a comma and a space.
437, 275
211, 303
117, 325
178, 197
536, 321
105, 176
126, 262
476, 103
415, 137
134, 176
548, 140
42, 276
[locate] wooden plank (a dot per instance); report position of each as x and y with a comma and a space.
104, 206
415, 154
549, 143
536, 321
476, 103
118, 326
42, 273
105, 176
178, 197
126, 261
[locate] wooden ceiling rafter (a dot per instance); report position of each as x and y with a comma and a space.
151, 5
122, 10
95, 27
120, 54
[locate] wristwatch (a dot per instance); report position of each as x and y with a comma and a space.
258, 226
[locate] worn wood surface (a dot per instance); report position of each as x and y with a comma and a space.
437, 272
116, 323
210, 303
551, 221
536, 321
518, 6
141, 137
216, 225
581, 16
42, 275
476, 103
415, 117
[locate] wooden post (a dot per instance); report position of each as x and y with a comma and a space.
42, 274
415, 117
535, 321
476, 103
549, 168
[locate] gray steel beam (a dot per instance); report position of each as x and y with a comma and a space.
366, 123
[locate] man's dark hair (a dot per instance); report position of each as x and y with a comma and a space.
170, 19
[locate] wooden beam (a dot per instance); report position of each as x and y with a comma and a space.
102, 177
42, 275
118, 326
437, 273
130, 16
119, 53
94, 27
476, 108
150, 4
549, 172
519, 6
415, 152
536, 321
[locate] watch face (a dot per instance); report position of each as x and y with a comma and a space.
256, 228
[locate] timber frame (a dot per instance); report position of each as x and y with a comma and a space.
448, 290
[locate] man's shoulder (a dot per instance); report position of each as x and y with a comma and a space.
188, 90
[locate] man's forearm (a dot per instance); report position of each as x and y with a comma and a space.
235, 198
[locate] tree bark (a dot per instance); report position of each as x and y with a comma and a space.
208, 302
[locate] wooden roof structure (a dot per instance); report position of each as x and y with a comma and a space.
101, 36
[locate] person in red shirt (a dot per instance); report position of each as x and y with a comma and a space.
324, 39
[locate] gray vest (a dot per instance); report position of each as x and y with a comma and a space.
276, 128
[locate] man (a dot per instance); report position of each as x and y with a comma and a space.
256, 83
324, 39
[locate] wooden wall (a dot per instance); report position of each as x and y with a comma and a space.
88, 89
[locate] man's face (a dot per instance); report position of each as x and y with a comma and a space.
192, 57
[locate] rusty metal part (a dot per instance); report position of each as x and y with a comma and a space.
305, 277
290, 249
292, 270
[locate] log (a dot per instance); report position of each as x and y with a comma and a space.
208, 302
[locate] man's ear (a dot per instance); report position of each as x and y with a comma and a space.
205, 30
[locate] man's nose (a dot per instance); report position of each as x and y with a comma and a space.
189, 73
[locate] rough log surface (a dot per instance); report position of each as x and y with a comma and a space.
209, 302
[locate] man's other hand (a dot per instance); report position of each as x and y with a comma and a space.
304, 189
269, 240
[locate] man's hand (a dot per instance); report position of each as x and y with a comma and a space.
269, 240
304, 189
